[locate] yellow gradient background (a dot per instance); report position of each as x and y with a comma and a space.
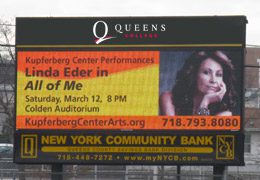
141, 86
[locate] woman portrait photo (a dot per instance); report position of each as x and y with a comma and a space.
203, 86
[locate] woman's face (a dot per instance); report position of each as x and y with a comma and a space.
210, 76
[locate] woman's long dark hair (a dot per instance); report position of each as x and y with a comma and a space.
186, 83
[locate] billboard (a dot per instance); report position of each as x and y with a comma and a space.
157, 90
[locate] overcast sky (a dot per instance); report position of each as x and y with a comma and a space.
47, 8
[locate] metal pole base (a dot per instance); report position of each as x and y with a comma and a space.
56, 170
219, 172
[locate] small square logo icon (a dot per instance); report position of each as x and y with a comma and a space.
225, 147
29, 146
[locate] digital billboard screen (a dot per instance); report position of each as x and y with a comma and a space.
157, 90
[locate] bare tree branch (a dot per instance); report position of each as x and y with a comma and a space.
7, 86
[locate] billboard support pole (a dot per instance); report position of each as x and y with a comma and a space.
219, 172
56, 172
178, 172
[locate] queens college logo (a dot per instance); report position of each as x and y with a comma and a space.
137, 31
99, 39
